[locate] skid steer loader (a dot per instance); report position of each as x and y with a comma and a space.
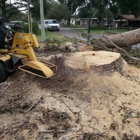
16, 50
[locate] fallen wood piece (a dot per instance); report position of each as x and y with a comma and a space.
34, 105
128, 55
126, 39
102, 44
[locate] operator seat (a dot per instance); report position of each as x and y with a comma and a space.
2, 33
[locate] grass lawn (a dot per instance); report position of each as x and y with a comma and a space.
106, 31
49, 35
102, 30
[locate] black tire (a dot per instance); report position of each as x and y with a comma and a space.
3, 73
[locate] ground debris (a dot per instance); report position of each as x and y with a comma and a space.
101, 103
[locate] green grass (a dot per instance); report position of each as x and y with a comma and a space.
49, 35
106, 31
103, 30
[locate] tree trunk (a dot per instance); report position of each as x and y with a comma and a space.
102, 16
3, 9
126, 39
68, 23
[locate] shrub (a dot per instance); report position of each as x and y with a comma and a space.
25, 26
35, 27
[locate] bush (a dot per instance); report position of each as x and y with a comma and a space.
35, 27
25, 27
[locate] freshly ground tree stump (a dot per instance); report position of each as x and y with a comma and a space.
94, 61
101, 62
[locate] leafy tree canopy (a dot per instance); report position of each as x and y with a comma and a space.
84, 12
129, 6
35, 10
58, 11
9, 9
72, 4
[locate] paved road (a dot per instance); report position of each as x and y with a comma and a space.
71, 32
74, 33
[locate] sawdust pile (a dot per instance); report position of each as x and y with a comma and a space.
82, 105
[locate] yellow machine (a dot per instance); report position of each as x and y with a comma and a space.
21, 53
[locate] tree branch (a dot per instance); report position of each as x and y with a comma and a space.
128, 55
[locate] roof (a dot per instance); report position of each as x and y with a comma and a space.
129, 17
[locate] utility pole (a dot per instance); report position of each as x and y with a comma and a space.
89, 20
29, 15
42, 20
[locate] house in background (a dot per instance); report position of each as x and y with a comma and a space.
127, 21
121, 21
83, 22
75, 21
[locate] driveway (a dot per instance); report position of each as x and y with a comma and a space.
71, 32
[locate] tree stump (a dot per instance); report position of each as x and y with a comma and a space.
102, 62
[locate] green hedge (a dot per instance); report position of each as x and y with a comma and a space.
35, 27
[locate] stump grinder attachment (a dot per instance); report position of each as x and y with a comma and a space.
21, 50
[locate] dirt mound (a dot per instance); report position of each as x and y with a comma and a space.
72, 105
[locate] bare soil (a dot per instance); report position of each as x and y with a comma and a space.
80, 105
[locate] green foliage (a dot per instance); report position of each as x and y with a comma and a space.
72, 4
99, 28
25, 27
7, 10
101, 5
58, 11
129, 6
19, 16
114, 8
35, 10
49, 35
84, 12
11, 12
109, 15
35, 27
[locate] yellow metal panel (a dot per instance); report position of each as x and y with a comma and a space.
19, 55
24, 40
2, 51
22, 47
4, 58
28, 52
35, 42
38, 66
